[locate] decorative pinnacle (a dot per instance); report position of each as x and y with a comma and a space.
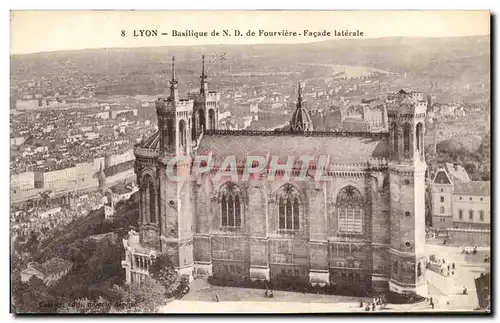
203, 76
300, 94
173, 68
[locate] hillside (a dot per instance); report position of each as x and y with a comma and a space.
458, 60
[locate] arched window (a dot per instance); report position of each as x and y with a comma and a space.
419, 133
395, 267
170, 133
288, 208
350, 210
193, 127
419, 269
152, 203
148, 199
201, 119
211, 118
395, 139
442, 209
481, 215
406, 140
230, 203
182, 136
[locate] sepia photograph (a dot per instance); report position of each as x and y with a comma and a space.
246, 161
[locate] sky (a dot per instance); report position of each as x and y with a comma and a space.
41, 31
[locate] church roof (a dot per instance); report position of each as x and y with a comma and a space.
342, 149
152, 142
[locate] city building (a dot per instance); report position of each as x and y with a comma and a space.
360, 227
458, 202
49, 272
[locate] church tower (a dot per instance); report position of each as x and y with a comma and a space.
406, 116
206, 106
174, 183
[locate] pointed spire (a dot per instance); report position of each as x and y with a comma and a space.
203, 77
301, 120
299, 101
173, 69
173, 83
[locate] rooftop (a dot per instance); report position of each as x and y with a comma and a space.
479, 188
52, 266
343, 147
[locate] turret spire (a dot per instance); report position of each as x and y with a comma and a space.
173, 83
301, 121
173, 69
299, 101
203, 77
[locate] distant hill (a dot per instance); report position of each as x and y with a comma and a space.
446, 60
394, 53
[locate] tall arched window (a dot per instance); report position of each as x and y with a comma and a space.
182, 136
419, 269
288, 208
406, 140
148, 199
152, 202
211, 118
395, 139
230, 203
193, 127
201, 119
170, 133
350, 210
419, 133
395, 265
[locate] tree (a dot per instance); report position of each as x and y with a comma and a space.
144, 297
163, 272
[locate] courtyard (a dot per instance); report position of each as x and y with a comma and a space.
445, 291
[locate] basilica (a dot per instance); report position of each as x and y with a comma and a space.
362, 228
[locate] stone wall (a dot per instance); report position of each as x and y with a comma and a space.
472, 237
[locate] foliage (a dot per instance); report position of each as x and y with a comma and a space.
162, 271
477, 164
31, 297
145, 297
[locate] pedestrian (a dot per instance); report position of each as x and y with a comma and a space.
453, 266
373, 307
271, 294
361, 303
217, 297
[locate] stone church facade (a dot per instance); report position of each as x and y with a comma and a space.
361, 227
